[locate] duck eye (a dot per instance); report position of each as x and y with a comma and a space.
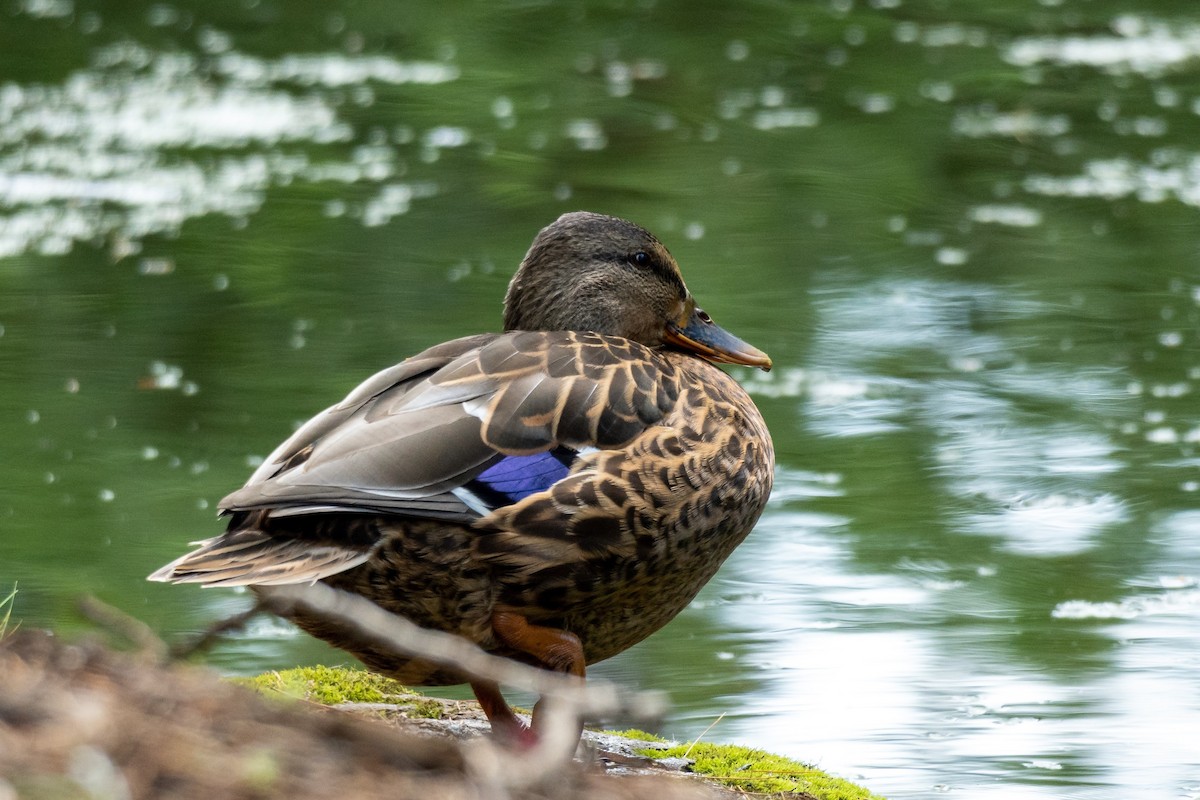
641, 259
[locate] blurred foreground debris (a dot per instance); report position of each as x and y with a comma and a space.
81, 720
565, 699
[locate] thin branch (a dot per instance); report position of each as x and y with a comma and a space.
131, 629
373, 623
703, 733
565, 699
206, 638
7, 604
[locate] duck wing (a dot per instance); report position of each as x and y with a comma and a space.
373, 451
413, 439
454, 433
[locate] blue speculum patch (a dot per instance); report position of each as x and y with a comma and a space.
515, 477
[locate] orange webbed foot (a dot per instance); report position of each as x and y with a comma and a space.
555, 649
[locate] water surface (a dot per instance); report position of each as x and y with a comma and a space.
965, 233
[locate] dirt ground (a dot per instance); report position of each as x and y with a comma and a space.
80, 720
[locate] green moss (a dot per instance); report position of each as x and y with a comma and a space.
752, 771
761, 773
328, 685
425, 709
639, 735
333, 685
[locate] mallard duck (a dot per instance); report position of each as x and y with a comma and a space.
554, 493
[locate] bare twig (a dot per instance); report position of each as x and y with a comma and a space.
403, 637
6, 606
565, 700
131, 629
215, 631
703, 733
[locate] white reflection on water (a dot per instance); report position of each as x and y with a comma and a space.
1015, 216
1155, 694
859, 679
941, 34
124, 148
1169, 593
903, 680
1051, 524
814, 617
1184, 603
1152, 688
907, 675
1138, 45
46, 9
333, 69
1030, 485
1170, 175
858, 405
980, 122
1029, 480
865, 322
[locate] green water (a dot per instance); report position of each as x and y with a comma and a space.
966, 233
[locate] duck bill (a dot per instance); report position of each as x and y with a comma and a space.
700, 335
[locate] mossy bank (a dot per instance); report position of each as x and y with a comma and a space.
744, 770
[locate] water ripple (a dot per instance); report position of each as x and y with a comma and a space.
123, 149
1139, 45
1050, 524
1173, 603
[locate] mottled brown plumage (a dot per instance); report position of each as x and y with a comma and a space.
554, 493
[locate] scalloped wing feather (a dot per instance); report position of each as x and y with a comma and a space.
706, 468
398, 378
675, 452
258, 559
406, 439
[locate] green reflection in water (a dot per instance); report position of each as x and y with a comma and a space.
965, 234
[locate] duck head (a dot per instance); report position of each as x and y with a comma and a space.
591, 272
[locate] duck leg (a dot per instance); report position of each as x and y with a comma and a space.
554, 649
506, 725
